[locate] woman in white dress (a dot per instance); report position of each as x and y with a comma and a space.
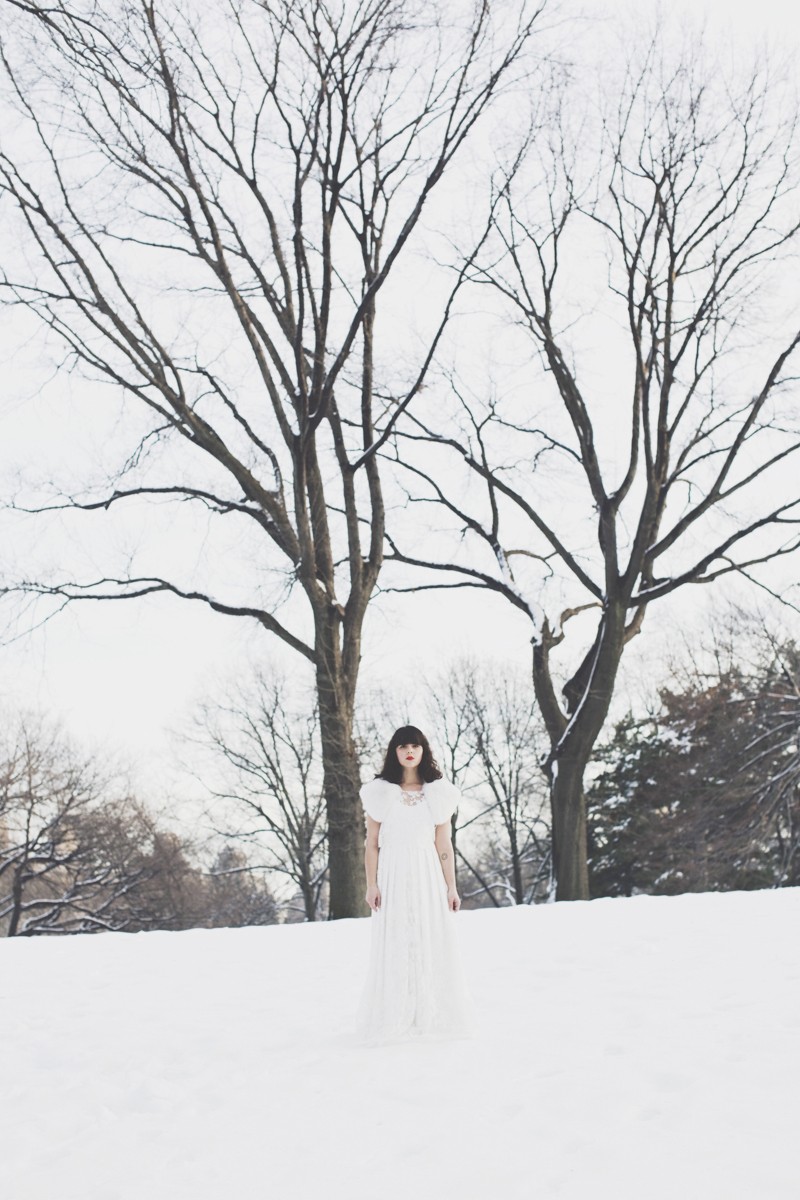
415, 986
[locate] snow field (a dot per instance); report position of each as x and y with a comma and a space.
638, 1049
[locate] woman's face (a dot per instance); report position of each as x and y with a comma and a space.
409, 755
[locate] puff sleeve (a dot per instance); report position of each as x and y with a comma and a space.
443, 800
374, 798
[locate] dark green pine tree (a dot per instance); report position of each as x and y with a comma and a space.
703, 797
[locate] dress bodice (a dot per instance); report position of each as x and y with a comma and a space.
406, 824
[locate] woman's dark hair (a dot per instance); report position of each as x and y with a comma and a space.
409, 735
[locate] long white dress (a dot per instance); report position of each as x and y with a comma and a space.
415, 986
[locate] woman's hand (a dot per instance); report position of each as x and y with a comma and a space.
374, 898
453, 900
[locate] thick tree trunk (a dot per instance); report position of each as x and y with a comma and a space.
345, 826
342, 782
568, 806
573, 736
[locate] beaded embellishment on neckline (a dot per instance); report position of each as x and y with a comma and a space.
412, 798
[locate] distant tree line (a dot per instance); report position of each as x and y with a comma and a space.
78, 857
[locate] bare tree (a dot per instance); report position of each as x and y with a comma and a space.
58, 871
146, 874
235, 894
211, 202
270, 790
493, 737
602, 506
508, 737
43, 792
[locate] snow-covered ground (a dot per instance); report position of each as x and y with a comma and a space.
628, 1049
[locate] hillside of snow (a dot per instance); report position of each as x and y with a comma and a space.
642, 1049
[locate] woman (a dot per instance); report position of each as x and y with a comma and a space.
415, 986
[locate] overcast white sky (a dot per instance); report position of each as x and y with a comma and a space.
122, 676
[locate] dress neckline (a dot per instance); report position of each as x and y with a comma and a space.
411, 797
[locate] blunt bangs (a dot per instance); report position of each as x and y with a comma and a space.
407, 735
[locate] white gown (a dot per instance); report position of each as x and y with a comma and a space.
415, 986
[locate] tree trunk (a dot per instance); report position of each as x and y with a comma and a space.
516, 866
16, 909
345, 819
307, 889
342, 780
573, 736
568, 806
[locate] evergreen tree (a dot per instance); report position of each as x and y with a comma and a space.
705, 795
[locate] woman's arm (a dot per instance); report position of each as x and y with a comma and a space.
371, 852
444, 848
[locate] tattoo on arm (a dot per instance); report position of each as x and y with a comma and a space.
444, 854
